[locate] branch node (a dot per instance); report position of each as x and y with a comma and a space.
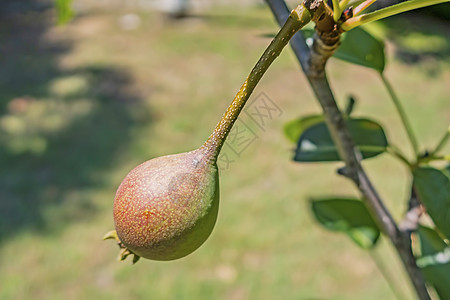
344, 172
410, 221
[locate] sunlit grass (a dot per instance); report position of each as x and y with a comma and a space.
116, 98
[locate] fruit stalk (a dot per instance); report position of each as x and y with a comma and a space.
167, 207
298, 18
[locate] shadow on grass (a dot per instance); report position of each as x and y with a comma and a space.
59, 130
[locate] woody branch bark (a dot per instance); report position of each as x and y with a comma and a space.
313, 60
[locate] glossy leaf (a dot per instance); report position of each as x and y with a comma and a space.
315, 143
433, 188
349, 216
359, 47
293, 129
435, 261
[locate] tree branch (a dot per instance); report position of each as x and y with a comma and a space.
313, 63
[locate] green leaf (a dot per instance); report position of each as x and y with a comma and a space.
430, 241
293, 129
446, 170
435, 261
349, 216
359, 47
433, 189
64, 11
315, 143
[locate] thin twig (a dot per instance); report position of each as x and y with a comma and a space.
402, 114
391, 149
315, 72
441, 143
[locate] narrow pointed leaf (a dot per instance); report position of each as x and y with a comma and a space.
315, 143
433, 189
349, 216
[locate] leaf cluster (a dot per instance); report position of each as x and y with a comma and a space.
430, 185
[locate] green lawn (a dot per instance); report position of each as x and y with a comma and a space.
81, 105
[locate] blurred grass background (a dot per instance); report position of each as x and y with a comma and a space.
81, 105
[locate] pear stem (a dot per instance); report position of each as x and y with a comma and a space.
298, 18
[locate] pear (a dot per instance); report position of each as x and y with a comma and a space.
167, 207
